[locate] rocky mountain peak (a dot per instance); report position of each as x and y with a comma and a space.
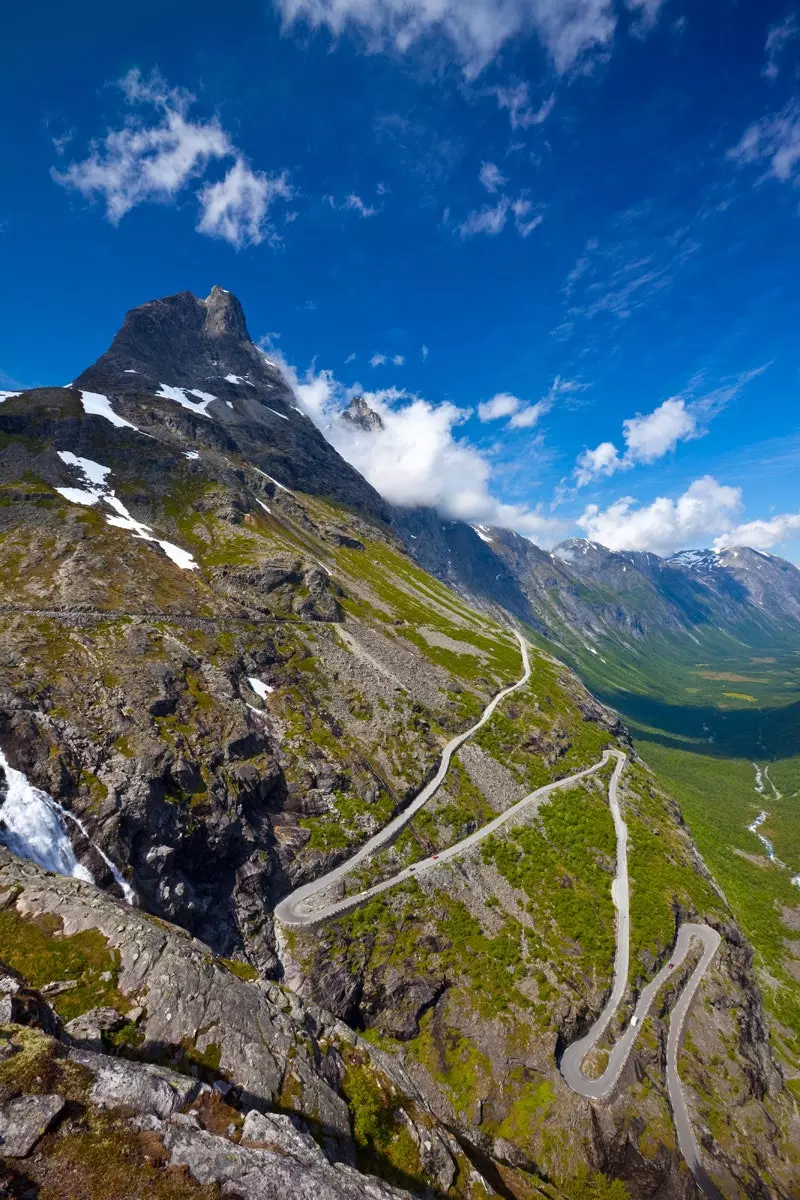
578, 551
360, 414
182, 341
224, 315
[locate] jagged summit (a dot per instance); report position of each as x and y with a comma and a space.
359, 413
182, 341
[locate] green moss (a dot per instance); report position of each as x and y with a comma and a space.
41, 955
529, 1110
98, 792
455, 1061
241, 969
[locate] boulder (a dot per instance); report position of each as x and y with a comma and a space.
24, 1121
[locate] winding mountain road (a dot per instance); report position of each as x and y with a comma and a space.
299, 910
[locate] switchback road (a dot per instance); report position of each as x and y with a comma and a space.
307, 907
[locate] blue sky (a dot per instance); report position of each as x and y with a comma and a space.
554, 244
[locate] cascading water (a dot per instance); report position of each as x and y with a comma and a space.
32, 827
755, 826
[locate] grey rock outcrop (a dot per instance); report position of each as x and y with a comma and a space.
24, 1120
280, 1163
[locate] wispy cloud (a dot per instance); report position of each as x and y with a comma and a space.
492, 177
354, 203
153, 162
474, 30
775, 141
60, 143
521, 112
647, 12
778, 38
378, 360
492, 218
615, 278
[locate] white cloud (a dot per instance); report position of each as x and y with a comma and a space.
778, 37
377, 360
425, 352
650, 437
521, 114
603, 460
416, 458
144, 162
501, 405
350, 358
527, 417
491, 177
704, 511
647, 438
761, 535
236, 207
774, 140
523, 416
398, 360
476, 29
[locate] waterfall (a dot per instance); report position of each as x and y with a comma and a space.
32, 827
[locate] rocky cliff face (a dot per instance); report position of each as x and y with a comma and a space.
176, 1059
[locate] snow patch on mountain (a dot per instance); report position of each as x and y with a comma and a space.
97, 405
96, 489
181, 396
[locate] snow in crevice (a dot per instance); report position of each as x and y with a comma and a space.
263, 505
260, 688
277, 414
96, 489
242, 380
192, 455
181, 396
270, 478
97, 405
482, 533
